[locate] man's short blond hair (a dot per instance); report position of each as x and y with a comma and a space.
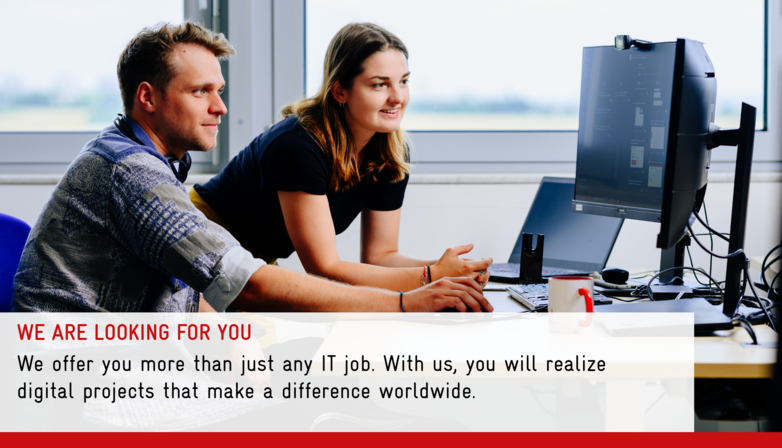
148, 56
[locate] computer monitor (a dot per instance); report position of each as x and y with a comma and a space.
629, 122
644, 143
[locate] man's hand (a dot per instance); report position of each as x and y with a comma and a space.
460, 293
204, 306
239, 351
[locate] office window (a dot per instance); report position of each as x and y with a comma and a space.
516, 65
59, 60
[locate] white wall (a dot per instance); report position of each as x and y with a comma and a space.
437, 216
24, 201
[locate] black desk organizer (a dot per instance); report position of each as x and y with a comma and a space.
531, 265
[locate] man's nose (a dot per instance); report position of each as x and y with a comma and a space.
218, 106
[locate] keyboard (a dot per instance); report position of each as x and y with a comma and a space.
535, 296
512, 270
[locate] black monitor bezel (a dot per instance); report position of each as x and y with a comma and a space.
664, 237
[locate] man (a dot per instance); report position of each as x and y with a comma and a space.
120, 233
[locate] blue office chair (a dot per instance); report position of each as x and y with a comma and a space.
13, 234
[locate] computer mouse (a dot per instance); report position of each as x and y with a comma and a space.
616, 276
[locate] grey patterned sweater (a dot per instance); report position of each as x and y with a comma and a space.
119, 233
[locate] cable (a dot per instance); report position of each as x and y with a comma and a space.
730, 255
773, 281
713, 232
642, 274
649, 285
762, 305
751, 302
741, 320
711, 238
640, 292
747, 281
692, 263
771, 252
764, 267
703, 292
759, 318
746, 274
745, 270
623, 300
629, 300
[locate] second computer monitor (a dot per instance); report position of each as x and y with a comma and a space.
643, 131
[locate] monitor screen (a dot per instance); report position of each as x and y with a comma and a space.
624, 121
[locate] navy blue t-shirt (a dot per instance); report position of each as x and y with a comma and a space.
286, 158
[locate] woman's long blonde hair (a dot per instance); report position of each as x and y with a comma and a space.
386, 155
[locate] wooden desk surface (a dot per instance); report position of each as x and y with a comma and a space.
718, 356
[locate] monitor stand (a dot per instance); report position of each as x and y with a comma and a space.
744, 139
671, 285
673, 258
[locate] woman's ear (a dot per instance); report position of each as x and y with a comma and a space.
339, 93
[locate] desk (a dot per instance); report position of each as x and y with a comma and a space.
612, 400
719, 356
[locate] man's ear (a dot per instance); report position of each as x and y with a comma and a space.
338, 93
145, 97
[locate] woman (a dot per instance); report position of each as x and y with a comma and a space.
335, 155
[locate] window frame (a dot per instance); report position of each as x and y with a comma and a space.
268, 72
45, 152
466, 151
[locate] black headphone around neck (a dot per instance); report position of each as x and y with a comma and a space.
180, 167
